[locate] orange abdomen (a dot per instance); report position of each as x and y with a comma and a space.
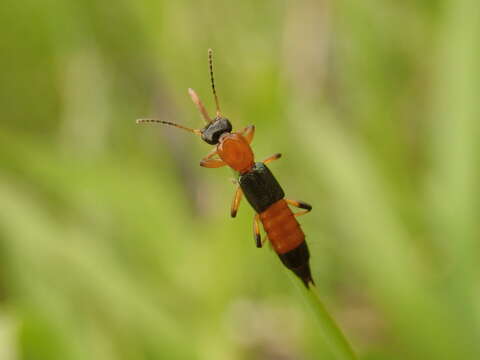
282, 227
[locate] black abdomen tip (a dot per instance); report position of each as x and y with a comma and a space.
297, 261
303, 272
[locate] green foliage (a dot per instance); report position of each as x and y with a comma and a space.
115, 244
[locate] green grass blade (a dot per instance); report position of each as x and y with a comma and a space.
331, 332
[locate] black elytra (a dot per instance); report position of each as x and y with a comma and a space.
260, 187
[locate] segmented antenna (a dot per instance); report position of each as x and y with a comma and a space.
210, 64
149, 121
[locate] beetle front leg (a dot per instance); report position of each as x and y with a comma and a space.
208, 162
248, 133
272, 158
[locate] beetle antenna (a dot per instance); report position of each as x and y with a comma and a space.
149, 121
210, 65
200, 106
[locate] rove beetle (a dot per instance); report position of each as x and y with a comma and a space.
256, 182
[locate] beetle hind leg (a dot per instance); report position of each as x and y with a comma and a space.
301, 205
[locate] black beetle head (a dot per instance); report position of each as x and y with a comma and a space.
212, 132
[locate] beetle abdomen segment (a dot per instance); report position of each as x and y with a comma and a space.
287, 239
297, 261
260, 187
282, 228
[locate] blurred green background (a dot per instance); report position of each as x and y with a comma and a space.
115, 244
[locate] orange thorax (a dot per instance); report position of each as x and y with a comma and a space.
235, 151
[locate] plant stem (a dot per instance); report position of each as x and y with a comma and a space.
332, 334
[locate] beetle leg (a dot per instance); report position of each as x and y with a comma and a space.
256, 231
272, 158
300, 205
248, 133
212, 163
236, 201
208, 162
264, 239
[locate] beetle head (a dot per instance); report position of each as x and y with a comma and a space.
212, 131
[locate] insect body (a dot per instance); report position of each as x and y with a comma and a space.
266, 196
257, 183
